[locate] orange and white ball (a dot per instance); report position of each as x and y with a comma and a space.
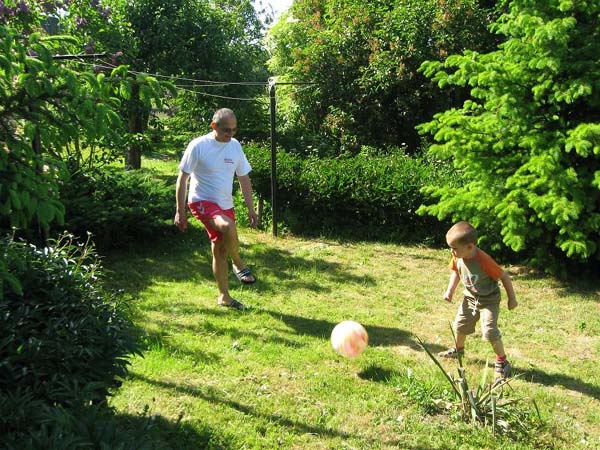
349, 338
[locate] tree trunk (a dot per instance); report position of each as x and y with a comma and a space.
136, 127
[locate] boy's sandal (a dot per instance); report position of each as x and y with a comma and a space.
234, 305
245, 276
502, 369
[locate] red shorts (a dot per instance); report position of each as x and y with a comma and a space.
204, 211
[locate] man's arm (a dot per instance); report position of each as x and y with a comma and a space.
510, 291
246, 187
180, 194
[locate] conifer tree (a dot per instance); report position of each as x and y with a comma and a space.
526, 145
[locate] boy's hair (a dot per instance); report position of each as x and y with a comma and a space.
221, 114
462, 233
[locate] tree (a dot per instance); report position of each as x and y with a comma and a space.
363, 58
527, 142
92, 29
186, 39
44, 106
192, 40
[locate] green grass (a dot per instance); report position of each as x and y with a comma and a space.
268, 377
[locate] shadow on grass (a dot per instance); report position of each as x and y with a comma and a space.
319, 328
159, 433
175, 257
207, 435
551, 379
378, 374
288, 269
587, 290
187, 256
554, 379
205, 327
210, 394
159, 341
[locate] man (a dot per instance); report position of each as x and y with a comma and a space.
210, 162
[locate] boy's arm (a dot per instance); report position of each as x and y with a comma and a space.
510, 292
452, 283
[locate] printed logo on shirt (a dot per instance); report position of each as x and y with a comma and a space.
470, 280
228, 161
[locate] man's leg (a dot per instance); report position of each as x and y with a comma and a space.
219, 266
218, 224
228, 229
227, 245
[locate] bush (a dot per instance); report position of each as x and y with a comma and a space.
118, 207
367, 195
64, 340
35, 425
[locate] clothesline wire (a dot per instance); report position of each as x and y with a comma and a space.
208, 83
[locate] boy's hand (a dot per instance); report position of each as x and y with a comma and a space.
512, 303
448, 296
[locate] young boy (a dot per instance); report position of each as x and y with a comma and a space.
481, 296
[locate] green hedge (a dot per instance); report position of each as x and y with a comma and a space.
119, 207
369, 195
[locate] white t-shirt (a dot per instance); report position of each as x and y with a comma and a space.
212, 165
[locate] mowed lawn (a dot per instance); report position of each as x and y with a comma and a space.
268, 378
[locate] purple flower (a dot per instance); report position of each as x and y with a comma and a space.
105, 12
23, 7
89, 47
80, 22
48, 5
32, 53
6, 11
115, 57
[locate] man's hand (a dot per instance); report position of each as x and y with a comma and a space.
448, 296
512, 303
181, 221
253, 218
180, 212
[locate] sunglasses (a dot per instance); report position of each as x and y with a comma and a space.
228, 130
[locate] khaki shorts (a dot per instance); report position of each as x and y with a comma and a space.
470, 311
